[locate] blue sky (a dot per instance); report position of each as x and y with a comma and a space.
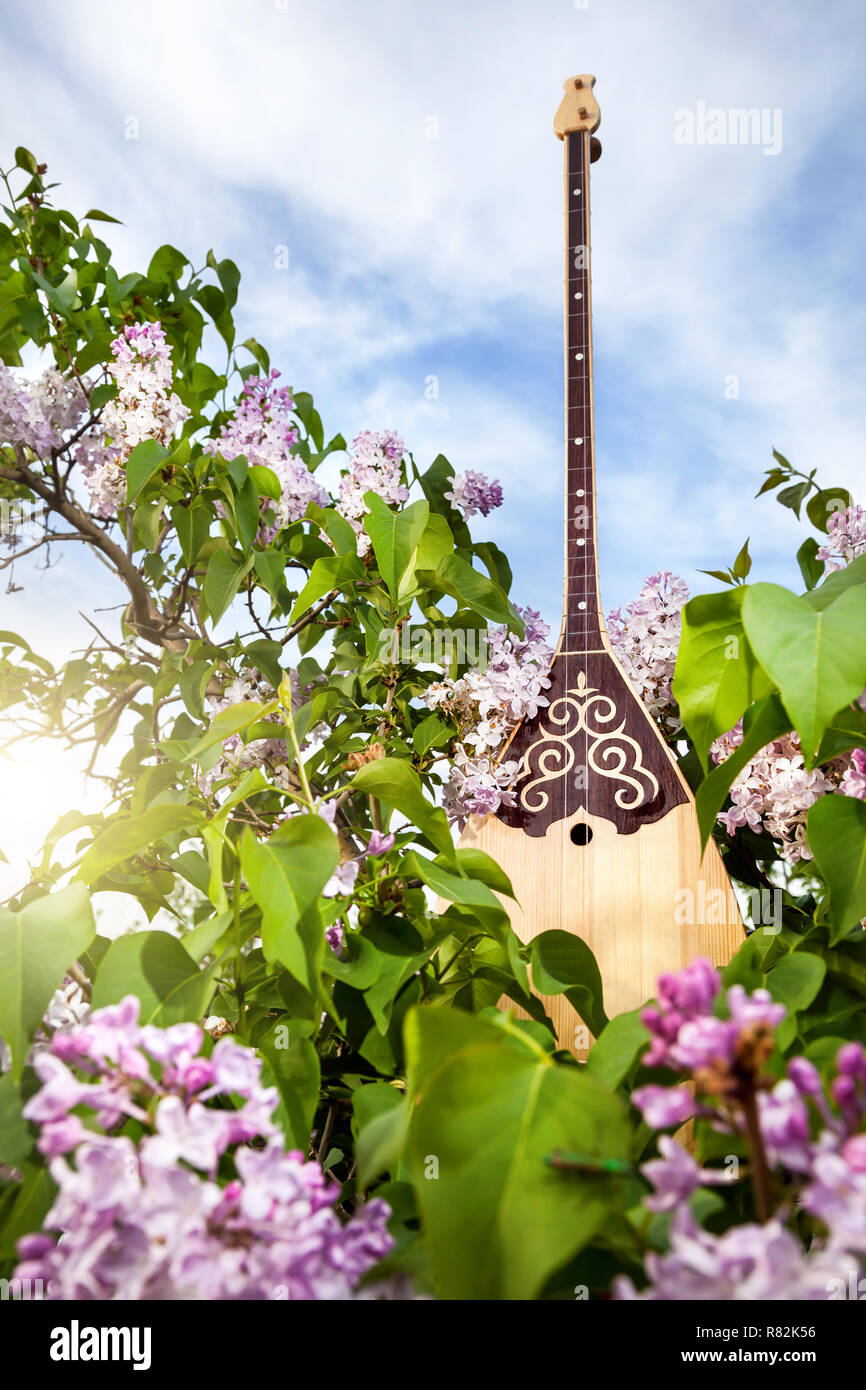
264, 124
306, 125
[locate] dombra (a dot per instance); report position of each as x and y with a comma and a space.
603, 840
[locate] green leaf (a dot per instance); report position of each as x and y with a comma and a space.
396, 784
563, 964
25, 160
490, 1106
16, 1139
293, 1063
395, 537
225, 571
33, 1200
328, 572
457, 578
126, 835
836, 832
717, 675
616, 1050
166, 265
810, 568
433, 731
37, 945
743, 562
286, 874
155, 967
817, 659
475, 863
765, 721
381, 1118
436, 543
796, 979
143, 462
793, 497
836, 584
336, 527
468, 892
828, 500
192, 525
96, 215
267, 483
258, 353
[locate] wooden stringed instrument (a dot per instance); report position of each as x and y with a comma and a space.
603, 840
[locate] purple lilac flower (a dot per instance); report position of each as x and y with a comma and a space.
263, 431
748, 1262
682, 997
150, 1218
472, 492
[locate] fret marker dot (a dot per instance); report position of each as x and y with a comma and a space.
580, 492
578, 296
578, 357
581, 605
577, 193
578, 441
581, 541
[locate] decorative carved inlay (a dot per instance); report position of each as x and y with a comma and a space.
592, 747
608, 751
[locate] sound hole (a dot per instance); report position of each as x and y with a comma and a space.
581, 834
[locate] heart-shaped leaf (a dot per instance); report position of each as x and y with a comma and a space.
717, 675
816, 658
836, 831
37, 945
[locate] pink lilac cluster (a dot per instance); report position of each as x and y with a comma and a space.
748, 1262
263, 431
487, 704
774, 791
145, 407
472, 492
36, 414
46, 416
375, 465
646, 639
207, 1202
813, 1139
846, 538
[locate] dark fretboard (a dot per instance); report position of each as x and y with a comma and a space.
581, 626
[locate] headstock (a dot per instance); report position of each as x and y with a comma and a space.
578, 109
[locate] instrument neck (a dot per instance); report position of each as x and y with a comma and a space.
583, 623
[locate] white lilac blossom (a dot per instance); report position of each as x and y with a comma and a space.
646, 639
182, 1207
774, 791
846, 538
813, 1138
487, 704
145, 407
375, 465
472, 492
263, 431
